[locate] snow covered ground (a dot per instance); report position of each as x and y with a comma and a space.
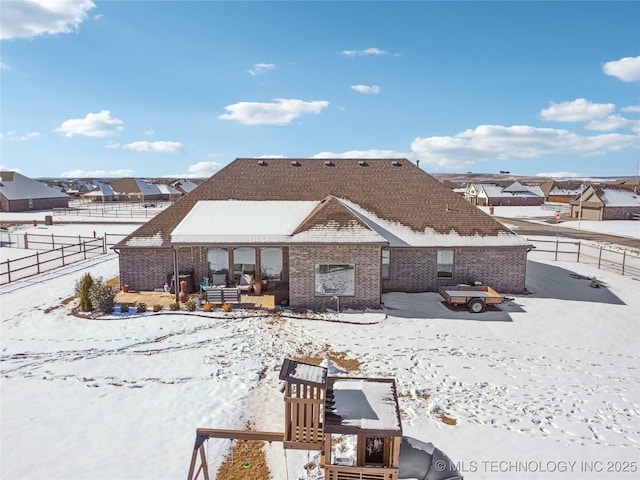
547, 386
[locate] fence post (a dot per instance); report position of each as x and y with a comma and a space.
104, 243
84, 249
579, 245
26, 240
38, 261
624, 258
8, 270
556, 249
53, 242
599, 258
62, 253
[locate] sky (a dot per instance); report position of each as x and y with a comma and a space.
125, 393
180, 89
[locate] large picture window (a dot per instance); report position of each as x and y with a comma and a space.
271, 263
445, 263
244, 261
218, 259
332, 279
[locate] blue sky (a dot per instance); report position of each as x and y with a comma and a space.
180, 89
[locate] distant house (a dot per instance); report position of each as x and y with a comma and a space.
168, 193
135, 190
184, 186
102, 192
22, 194
513, 194
561, 192
606, 202
320, 230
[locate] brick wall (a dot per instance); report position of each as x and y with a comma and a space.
414, 269
619, 213
302, 262
145, 268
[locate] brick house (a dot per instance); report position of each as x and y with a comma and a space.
494, 195
606, 202
326, 228
23, 194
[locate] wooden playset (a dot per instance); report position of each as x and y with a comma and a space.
322, 410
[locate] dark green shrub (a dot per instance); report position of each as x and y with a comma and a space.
124, 307
174, 306
141, 307
83, 290
102, 296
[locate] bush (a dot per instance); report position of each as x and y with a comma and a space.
227, 307
174, 306
190, 305
102, 296
124, 307
83, 290
209, 307
141, 307
157, 308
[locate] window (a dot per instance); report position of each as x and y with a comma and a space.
271, 263
445, 264
244, 261
335, 279
374, 451
385, 267
218, 259
31, 203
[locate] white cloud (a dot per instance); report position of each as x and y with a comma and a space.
281, 111
4, 66
259, 68
373, 89
626, 69
373, 153
144, 146
361, 53
97, 173
203, 169
631, 108
20, 138
495, 142
30, 18
149, 132
93, 125
112, 145
613, 122
579, 110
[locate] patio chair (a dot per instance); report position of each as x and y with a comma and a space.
245, 283
219, 279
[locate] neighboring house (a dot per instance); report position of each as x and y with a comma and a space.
494, 195
561, 192
184, 186
135, 190
21, 194
606, 202
168, 193
102, 192
324, 230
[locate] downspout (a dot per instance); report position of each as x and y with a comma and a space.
176, 276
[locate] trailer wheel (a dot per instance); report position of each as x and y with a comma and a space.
476, 305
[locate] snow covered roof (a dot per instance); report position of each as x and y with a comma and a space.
395, 200
362, 406
298, 372
14, 186
619, 197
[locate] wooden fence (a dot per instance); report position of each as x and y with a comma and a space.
52, 251
621, 261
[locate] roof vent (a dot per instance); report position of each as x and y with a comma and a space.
362, 163
396, 163
262, 163
295, 163
329, 163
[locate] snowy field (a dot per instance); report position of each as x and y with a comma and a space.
547, 386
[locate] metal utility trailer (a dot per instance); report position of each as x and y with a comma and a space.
475, 297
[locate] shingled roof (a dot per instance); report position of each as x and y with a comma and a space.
394, 190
